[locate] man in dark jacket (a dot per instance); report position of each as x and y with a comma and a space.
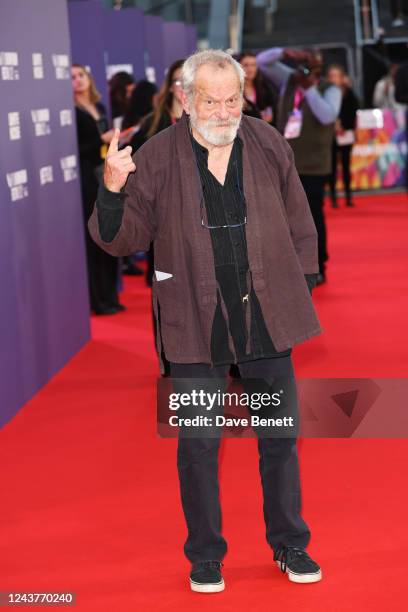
236, 260
307, 111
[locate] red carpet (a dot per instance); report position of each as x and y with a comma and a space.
90, 495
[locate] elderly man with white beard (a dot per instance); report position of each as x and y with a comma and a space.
235, 264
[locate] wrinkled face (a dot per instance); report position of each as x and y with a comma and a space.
80, 80
176, 85
249, 65
215, 108
335, 76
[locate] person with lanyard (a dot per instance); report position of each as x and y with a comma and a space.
307, 113
235, 264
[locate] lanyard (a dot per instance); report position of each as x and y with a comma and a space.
299, 97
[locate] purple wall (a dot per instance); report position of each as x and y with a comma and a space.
44, 309
124, 40
154, 45
176, 43
191, 38
102, 37
87, 32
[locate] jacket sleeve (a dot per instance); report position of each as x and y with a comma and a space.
273, 69
300, 220
137, 228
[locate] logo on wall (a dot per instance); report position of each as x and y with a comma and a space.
68, 166
65, 117
41, 119
9, 66
61, 65
150, 74
17, 182
46, 175
38, 68
14, 126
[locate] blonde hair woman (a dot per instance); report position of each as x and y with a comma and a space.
93, 137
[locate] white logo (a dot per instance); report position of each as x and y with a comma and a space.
17, 181
38, 68
65, 117
150, 74
41, 118
112, 69
9, 66
14, 126
68, 166
61, 65
46, 175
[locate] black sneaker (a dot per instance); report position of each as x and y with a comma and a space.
206, 577
297, 564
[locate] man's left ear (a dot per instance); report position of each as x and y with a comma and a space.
185, 102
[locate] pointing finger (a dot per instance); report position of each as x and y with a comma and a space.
113, 147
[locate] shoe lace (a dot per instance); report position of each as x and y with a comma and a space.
216, 564
283, 552
212, 564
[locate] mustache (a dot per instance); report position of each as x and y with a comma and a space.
232, 122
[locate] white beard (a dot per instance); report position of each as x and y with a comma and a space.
210, 131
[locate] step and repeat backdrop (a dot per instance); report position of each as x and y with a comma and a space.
44, 310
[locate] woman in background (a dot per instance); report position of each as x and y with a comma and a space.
93, 137
259, 98
121, 86
344, 134
140, 104
168, 108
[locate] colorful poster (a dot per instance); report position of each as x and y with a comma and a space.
379, 152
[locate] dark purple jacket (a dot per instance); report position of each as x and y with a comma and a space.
162, 204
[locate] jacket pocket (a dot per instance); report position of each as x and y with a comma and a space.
167, 292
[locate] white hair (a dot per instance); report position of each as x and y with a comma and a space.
217, 58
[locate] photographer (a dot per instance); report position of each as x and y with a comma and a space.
307, 111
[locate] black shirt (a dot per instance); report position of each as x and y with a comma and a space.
225, 205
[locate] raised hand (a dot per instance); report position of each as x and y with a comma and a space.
118, 165
298, 55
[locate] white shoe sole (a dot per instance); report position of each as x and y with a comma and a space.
302, 578
207, 588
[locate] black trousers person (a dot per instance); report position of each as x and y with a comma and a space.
197, 461
314, 189
345, 156
103, 273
